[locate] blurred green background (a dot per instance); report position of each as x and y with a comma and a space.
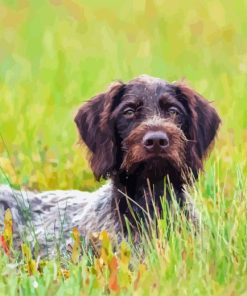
56, 54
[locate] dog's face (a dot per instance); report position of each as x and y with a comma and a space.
147, 123
151, 125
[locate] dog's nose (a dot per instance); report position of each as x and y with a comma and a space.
155, 141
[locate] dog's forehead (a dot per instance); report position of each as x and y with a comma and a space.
146, 85
148, 80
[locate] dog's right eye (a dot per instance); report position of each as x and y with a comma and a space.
129, 112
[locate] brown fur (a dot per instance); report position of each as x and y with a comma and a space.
135, 152
115, 136
114, 125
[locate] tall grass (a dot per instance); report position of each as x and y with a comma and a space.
56, 54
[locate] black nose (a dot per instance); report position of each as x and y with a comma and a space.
155, 141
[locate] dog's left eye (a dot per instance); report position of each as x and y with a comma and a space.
172, 111
129, 112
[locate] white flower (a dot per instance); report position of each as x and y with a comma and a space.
35, 284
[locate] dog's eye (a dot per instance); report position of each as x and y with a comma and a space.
129, 112
173, 111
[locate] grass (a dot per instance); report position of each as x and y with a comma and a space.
56, 54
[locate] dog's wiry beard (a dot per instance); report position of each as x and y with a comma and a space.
173, 158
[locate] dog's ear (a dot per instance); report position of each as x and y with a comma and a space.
97, 131
202, 128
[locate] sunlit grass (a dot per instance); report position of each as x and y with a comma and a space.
170, 258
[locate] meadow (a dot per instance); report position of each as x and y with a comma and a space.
56, 54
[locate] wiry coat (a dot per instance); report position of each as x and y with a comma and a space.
47, 218
138, 134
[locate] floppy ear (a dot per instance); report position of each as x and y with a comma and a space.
97, 132
202, 128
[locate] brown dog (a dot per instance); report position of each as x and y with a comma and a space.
139, 134
147, 129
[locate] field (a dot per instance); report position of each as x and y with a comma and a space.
56, 54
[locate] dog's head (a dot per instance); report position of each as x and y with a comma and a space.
147, 122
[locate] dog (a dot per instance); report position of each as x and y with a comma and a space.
140, 135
